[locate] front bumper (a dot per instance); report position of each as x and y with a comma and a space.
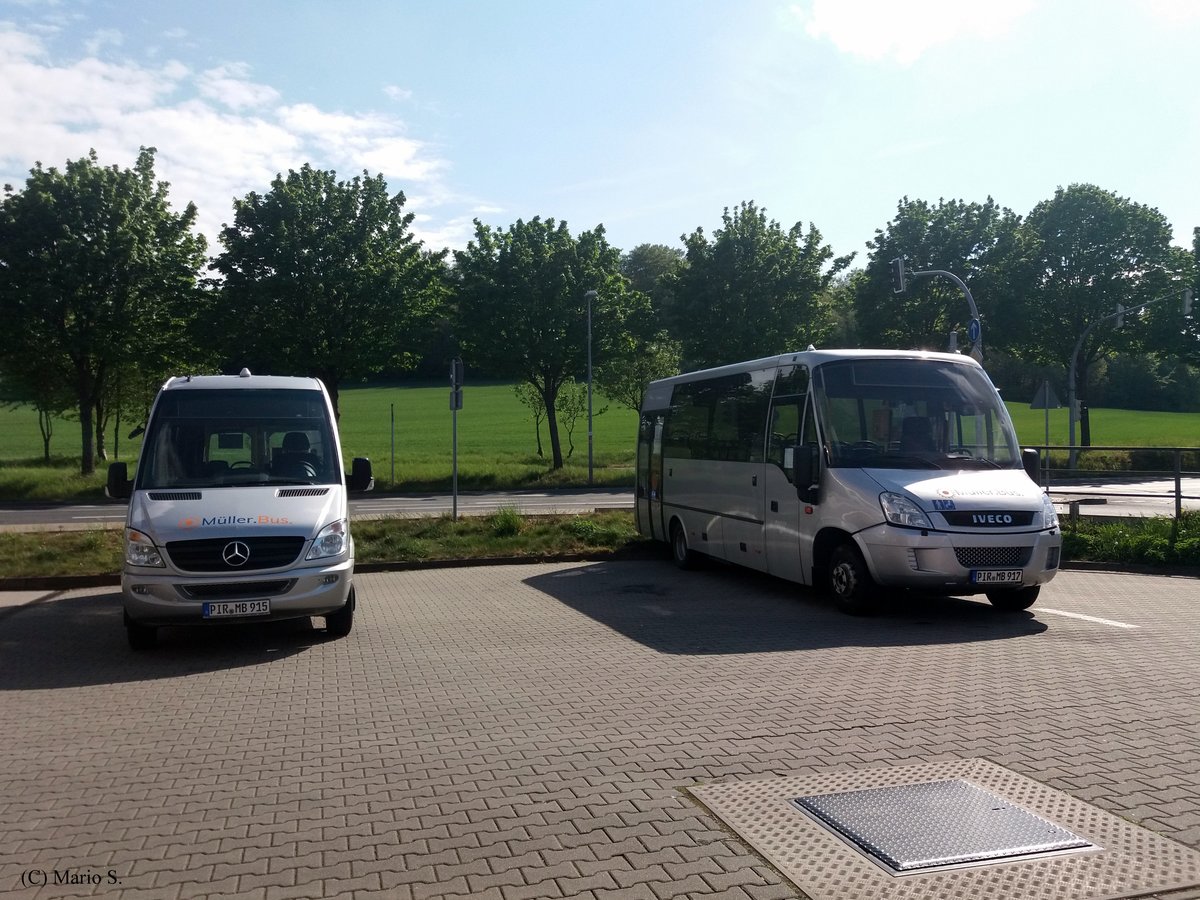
944, 561
163, 597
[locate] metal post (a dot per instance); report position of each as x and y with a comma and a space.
590, 295
454, 463
1178, 486
1046, 392
393, 482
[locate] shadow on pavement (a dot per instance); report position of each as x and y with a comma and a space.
77, 641
722, 609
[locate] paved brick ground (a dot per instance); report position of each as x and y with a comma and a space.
524, 731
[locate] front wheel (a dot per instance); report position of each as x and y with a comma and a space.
339, 623
850, 582
1014, 598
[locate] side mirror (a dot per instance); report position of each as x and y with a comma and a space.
806, 472
1031, 460
119, 487
360, 478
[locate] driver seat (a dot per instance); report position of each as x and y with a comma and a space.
294, 459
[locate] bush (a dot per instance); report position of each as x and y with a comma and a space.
506, 522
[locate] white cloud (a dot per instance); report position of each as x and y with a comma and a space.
229, 85
903, 31
105, 37
219, 134
397, 93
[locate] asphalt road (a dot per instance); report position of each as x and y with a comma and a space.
62, 517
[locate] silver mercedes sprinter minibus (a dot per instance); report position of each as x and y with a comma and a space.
855, 470
238, 510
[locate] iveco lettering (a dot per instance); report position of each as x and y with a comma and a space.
855, 470
238, 510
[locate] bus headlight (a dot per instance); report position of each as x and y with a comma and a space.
1049, 514
899, 510
140, 550
330, 542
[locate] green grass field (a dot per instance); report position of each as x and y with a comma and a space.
497, 447
496, 444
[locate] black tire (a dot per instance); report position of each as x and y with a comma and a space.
141, 637
341, 622
1014, 599
684, 557
849, 582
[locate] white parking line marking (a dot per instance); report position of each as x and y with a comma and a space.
1097, 619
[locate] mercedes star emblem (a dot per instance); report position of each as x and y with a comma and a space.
235, 553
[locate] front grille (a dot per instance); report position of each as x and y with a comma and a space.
175, 495
208, 555
993, 557
989, 518
302, 492
236, 589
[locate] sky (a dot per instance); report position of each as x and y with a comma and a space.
649, 117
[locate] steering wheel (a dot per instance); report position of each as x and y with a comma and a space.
864, 445
960, 449
242, 464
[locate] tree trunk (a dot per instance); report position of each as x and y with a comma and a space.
88, 461
85, 394
46, 426
101, 424
550, 396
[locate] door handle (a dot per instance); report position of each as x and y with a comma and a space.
774, 506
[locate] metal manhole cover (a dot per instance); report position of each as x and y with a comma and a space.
937, 825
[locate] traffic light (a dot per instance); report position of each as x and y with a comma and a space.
898, 283
1187, 302
1120, 315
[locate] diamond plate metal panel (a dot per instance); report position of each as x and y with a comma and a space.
936, 824
1131, 861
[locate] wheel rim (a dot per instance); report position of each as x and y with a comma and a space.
842, 579
680, 544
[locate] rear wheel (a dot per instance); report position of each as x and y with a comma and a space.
141, 637
684, 557
850, 582
1014, 598
339, 623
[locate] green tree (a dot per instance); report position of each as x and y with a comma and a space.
96, 273
753, 290
324, 277
1082, 253
522, 305
953, 236
635, 363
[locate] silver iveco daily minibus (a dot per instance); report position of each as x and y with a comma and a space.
238, 510
849, 469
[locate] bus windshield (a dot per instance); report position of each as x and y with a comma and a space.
223, 438
913, 413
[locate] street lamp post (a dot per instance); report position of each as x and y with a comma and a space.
900, 276
589, 296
